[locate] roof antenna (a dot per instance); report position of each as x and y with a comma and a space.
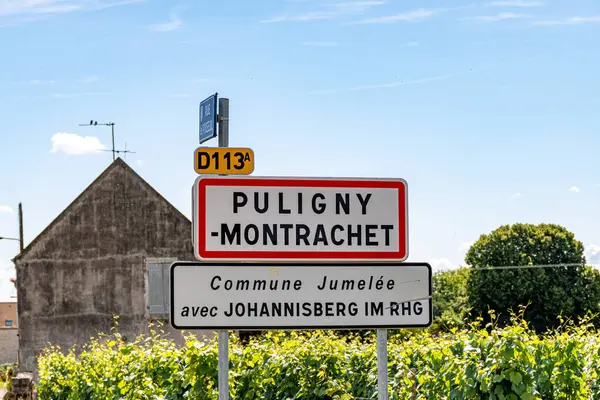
112, 130
121, 151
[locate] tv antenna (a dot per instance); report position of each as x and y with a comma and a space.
112, 129
120, 151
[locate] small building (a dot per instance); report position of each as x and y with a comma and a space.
9, 341
106, 254
8, 315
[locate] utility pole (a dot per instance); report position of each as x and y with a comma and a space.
112, 129
21, 227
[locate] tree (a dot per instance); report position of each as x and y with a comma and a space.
450, 301
548, 292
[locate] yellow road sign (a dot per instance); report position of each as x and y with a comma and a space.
224, 160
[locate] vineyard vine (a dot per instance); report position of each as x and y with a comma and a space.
481, 362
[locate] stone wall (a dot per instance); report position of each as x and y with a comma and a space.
9, 345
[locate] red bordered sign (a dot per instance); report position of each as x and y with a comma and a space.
287, 219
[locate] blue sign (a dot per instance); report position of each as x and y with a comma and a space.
208, 118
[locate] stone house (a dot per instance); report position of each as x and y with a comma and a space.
106, 254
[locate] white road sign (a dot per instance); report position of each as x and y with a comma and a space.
293, 296
279, 219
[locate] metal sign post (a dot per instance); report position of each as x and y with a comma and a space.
382, 365
223, 339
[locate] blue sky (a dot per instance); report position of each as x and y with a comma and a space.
489, 109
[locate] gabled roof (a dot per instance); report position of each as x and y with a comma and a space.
118, 163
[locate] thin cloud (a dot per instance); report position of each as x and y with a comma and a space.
311, 16
383, 85
412, 44
355, 6
140, 163
401, 83
73, 95
320, 44
38, 82
574, 189
514, 3
6, 209
21, 8
409, 16
174, 23
73, 144
330, 11
90, 79
498, 17
14, 8
570, 21
516, 196
396, 83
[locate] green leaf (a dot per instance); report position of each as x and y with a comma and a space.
515, 378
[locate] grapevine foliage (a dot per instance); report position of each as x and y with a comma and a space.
482, 362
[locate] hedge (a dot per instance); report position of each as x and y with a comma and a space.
479, 363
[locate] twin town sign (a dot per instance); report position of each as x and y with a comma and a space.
300, 219
300, 296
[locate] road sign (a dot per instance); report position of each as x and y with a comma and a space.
300, 296
224, 160
278, 219
208, 118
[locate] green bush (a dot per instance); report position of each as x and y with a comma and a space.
548, 292
480, 363
7, 372
450, 299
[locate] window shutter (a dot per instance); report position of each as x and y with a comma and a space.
166, 288
158, 296
156, 303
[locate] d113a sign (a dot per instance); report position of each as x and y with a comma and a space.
278, 219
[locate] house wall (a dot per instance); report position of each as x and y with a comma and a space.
89, 265
9, 345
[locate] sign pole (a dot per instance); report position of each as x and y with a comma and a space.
223, 339
382, 364
223, 119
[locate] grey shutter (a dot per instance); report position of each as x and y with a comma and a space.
166, 288
158, 295
156, 286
